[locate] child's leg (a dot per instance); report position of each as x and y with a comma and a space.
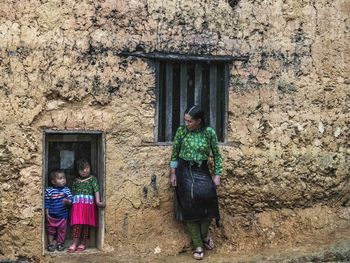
76, 231
76, 234
50, 239
61, 232
50, 236
51, 231
85, 234
84, 231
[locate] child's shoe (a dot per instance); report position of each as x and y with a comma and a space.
60, 247
51, 248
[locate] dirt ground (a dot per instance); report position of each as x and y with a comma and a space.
299, 254
334, 247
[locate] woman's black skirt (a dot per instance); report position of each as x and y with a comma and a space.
195, 193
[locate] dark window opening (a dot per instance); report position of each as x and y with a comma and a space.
181, 84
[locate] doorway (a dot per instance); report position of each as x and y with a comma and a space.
62, 150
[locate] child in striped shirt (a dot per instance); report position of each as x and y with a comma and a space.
57, 198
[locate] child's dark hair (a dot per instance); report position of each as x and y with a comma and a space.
54, 173
81, 163
196, 113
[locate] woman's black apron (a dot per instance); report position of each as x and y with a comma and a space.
195, 193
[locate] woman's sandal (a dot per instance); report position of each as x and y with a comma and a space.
198, 253
72, 248
81, 248
208, 243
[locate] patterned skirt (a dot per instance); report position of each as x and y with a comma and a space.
84, 211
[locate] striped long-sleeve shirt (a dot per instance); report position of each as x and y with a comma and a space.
54, 201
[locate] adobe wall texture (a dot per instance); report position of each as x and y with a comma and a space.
286, 172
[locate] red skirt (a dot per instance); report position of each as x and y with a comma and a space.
84, 214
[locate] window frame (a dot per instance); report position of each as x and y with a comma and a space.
198, 61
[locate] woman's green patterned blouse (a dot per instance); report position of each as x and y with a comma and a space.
195, 146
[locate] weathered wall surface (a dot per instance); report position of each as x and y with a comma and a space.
287, 156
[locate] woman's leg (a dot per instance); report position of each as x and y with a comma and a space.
195, 232
207, 241
205, 228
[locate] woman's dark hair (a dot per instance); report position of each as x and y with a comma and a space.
196, 113
81, 164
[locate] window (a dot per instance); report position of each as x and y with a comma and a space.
184, 83
62, 150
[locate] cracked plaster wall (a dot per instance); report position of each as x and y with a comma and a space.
288, 133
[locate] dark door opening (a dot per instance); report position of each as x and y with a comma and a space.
62, 150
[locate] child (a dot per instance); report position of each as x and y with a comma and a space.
86, 197
56, 200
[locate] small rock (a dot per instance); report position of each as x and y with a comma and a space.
6, 186
337, 132
157, 250
317, 143
321, 127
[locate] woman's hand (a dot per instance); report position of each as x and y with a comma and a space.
173, 179
216, 180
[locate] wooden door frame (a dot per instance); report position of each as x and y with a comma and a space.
100, 151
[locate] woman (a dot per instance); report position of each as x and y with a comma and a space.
195, 189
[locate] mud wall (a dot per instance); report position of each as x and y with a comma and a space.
288, 133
